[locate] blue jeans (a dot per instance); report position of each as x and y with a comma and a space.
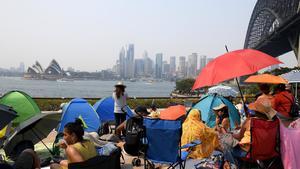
234, 154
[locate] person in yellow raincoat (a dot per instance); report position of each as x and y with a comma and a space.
195, 129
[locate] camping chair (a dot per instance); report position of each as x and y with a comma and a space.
100, 161
264, 141
163, 143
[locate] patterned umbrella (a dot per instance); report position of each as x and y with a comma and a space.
224, 91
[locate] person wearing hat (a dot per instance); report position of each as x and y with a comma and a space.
222, 118
120, 97
262, 109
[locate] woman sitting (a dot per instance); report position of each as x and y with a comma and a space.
222, 118
195, 129
263, 110
76, 148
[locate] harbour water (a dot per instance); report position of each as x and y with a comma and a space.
83, 88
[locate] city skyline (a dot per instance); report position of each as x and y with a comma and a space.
87, 36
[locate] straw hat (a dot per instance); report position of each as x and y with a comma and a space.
264, 106
120, 83
221, 106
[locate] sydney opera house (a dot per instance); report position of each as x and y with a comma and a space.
52, 72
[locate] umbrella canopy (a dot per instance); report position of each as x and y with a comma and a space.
172, 112
33, 130
224, 91
233, 64
7, 114
292, 76
22, 103
266, 78
207, 102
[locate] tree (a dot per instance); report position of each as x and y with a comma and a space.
185, 85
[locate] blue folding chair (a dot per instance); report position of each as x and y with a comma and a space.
163, 143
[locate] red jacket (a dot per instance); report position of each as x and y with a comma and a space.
282, 102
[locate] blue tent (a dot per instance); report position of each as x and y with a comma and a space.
80, 108
207, 102
105, 109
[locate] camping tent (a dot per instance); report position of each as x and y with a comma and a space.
22, 103
105, 109
207, 102
80, 108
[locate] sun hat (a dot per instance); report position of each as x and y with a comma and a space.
221, 106
120, 83
264, 106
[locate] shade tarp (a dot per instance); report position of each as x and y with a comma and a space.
22, 103
80, 108
105, 109
292, 76
207, 102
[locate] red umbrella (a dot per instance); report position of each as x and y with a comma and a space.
233, 64
172, 112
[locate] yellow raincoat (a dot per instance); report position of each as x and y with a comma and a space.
195, 129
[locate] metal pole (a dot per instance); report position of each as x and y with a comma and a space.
238, 84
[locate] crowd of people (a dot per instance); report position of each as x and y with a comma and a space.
234, 143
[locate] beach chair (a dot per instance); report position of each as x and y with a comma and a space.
163, 143
264, 143
290, 146
110, 162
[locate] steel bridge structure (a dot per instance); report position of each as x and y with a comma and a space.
274, 27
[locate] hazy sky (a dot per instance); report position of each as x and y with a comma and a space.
88, 34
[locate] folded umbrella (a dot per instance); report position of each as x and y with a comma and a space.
266, 78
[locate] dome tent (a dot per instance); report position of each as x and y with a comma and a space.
105, 109
80, 108
22, 103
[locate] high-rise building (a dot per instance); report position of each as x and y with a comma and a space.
158, 65
166, 69
181, 67
139, 67
192, 65
122, 63
148, 65
129, 68
172, 65
202, 62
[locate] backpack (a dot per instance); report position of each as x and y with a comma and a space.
294, 112
134, 128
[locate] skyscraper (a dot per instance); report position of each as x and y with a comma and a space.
192, 65
122, 63
181, 67
172, 65
129, 66
148, 65
139, 67
202, 62
158, 65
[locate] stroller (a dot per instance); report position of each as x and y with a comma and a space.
134, 134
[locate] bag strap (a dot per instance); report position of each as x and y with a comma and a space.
288, 98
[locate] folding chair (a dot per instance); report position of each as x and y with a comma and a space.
109, 162
163, 143
264, 141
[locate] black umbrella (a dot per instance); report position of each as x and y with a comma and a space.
32, 130
7, 114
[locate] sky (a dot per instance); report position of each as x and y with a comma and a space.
88, 34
